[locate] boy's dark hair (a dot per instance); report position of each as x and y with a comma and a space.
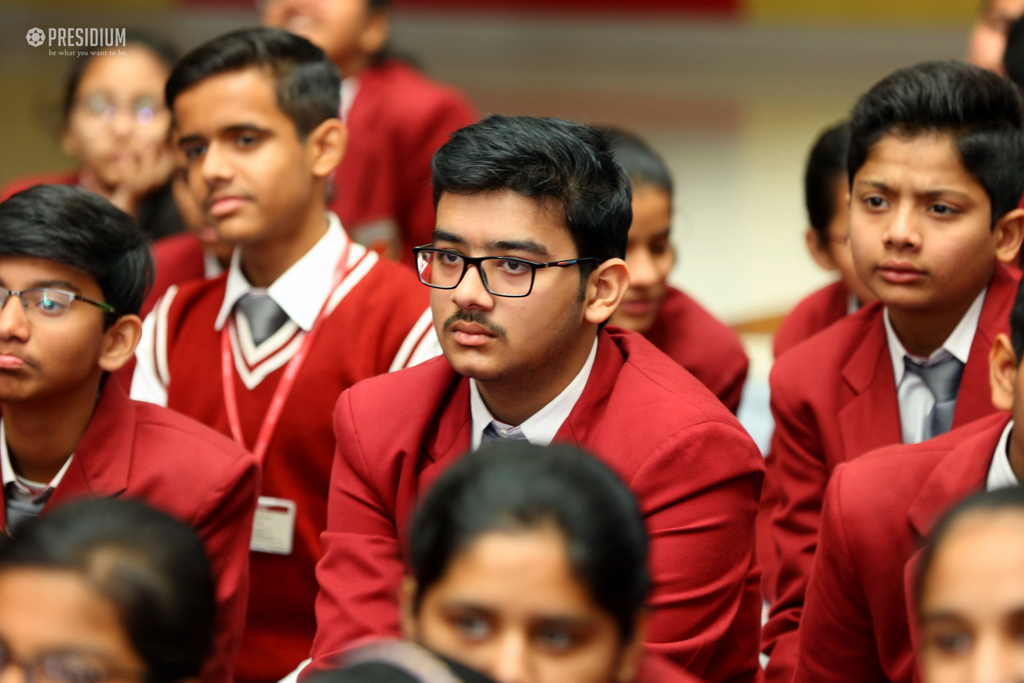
1017, 324
1013, 58
979, 110
516, 486
1011, 498
308, 85
162, 49
151, 567
641, 163
826, 166
544, 158
74, 227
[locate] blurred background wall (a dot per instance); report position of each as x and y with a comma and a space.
731, 91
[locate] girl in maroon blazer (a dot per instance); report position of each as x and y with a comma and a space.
529, 564
670, 319
397, 118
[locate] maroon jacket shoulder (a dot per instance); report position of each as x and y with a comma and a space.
812, 315
58, 178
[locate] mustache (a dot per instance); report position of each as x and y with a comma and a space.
478, 318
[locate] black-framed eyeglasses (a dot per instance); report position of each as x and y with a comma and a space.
67, 666
45, 304
501, 275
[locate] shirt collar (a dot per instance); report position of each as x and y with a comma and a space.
349, 89
541, 427
302, 290
1000, 474
7, 469
957, 345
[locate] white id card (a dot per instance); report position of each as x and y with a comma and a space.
273, 528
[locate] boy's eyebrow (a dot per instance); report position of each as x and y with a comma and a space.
54, 284
442, 235
518, 245
236, 128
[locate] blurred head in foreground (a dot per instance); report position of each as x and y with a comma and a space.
529, 564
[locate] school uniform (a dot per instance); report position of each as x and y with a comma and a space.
837, 396
157, 213
813, 314
375, 318
397, 118
702, 344
137, 450
878, 512
696, 474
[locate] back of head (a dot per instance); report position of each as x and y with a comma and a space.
641, 163
515, 486
151, 567
547, 159
308, 86
1013, 58
74, 227
980, 111
826, 166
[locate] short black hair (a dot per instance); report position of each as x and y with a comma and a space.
1017, 324
641, 163
1013, 58
826, 166
513, 486
151, 567
74, 227
544, 158
308, 85
161, 48
1011, 498
981, 111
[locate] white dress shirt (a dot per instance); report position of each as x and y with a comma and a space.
541, 427
27, 496
914, 396
1000, 474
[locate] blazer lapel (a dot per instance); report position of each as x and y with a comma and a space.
450, 432
585, 416
872, 418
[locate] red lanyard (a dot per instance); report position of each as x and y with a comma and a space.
284, 387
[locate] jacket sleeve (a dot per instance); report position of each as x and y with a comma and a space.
730, 390
802, 476
362, 564
706, 602
837, 643
225, 525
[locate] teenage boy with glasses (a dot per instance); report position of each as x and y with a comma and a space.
526, 267
73, 273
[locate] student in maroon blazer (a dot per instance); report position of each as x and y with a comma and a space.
396, 115
73, 271
525, 359
827, 198
670, 319
930, 230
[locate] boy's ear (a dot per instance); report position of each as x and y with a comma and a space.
1002, 372
119, 342
821, 253
1009, 232
326, 146
605, 289
375, 33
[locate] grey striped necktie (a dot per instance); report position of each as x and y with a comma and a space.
943, 380
264, 315
491, 433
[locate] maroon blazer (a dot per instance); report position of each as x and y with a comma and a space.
166, 460
696, 473
702, 344
813, 314
878, 512
834, 399
397, 121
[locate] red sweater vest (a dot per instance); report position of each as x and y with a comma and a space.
359, 339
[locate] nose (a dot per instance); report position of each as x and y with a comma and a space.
13, 324
991, 663
902, 233
215, 169
643, 271
470, 294
512, 663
